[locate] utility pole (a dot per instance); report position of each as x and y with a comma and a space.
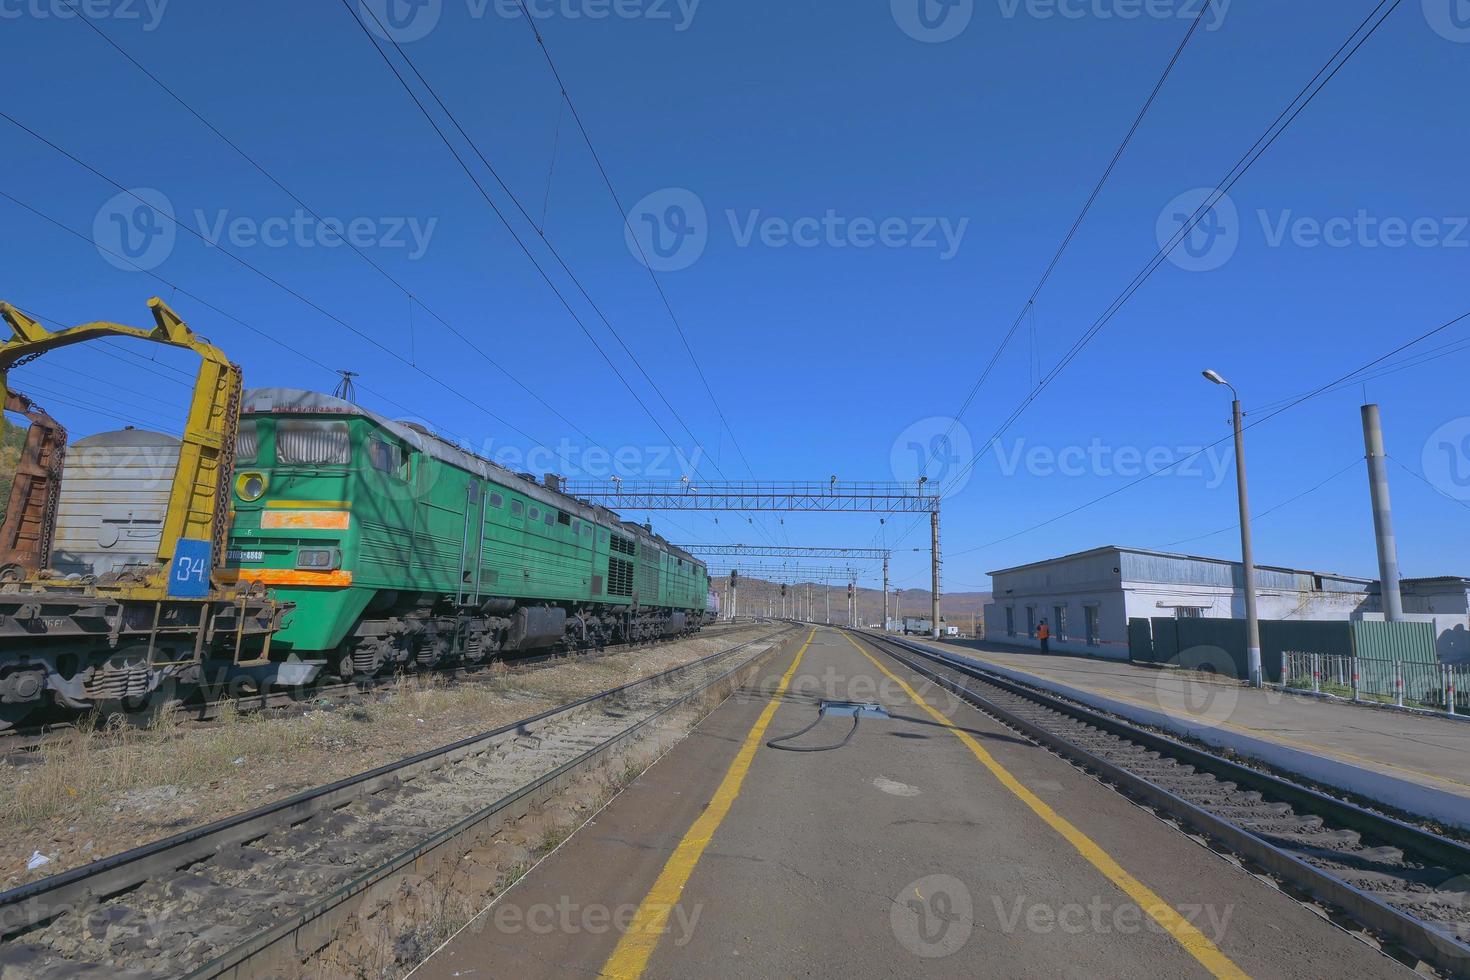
827, 596
885, 595
1388, 548
734, 592
1247, 555
934, 573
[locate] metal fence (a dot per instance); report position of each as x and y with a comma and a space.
1435, 686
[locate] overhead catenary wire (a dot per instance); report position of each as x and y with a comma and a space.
373, 38
1360, 35
627, 224
289, 290
1030, 305
1300, 400
346, 240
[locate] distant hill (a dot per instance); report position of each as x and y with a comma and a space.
962, 609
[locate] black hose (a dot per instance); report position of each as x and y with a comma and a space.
775, 743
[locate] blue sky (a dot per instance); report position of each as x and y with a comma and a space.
868, 211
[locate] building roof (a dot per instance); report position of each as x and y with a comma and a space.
1169, 554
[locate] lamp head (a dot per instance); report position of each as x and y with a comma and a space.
1214, 376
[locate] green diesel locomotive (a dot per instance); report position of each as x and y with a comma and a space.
399, 548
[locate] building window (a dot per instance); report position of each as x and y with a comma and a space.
1010, 620
1093, 627
1059, 621
1030, 620
1189, 612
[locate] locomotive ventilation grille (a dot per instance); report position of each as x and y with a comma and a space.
619, 577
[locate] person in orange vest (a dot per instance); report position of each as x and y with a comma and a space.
1043, 633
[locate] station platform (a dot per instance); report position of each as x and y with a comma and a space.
1414, 762
934, 842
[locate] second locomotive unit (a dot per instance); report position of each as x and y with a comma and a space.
399, 548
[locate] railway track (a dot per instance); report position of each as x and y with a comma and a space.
17, 744
258, 893
1394, 884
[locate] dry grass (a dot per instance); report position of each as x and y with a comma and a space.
106, 788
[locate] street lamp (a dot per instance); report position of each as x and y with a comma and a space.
1247, 559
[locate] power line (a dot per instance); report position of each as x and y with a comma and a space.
526, 215
262, 274
1269, 510
178, 289
304, 206
1243, 166
1278, 126
1429, 483
1030, 304
627, 224
1320, 390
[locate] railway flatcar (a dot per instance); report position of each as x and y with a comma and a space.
399, 548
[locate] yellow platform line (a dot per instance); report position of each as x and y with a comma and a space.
1176, 925
630, 958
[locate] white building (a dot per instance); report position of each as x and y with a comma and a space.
1088, 598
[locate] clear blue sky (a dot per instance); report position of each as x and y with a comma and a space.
822, 356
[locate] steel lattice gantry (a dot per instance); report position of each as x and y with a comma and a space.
833, 495
736, 495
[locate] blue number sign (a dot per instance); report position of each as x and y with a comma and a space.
189, 576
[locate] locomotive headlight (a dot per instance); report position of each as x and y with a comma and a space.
318, 559
250, 486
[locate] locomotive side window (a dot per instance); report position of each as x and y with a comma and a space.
515, 508
497, 501
549, 518
247, 443
564, 519
535, 513
387, 458
322, 443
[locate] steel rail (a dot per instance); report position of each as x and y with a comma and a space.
1415, 936
17, 743
36, 903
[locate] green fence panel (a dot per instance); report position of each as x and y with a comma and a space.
1409, 642
1214, 645
1166, 639
1326, 637
1140, 641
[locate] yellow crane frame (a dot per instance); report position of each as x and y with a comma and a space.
199, 502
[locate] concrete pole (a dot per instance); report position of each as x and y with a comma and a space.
1388, 548
1247, 554
934, 573
734, 593
827, 596
885, 595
